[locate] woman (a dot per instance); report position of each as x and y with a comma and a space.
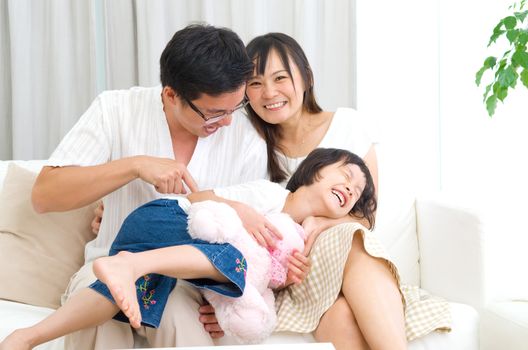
368, 311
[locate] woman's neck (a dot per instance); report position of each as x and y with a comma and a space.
304, 132
295, 127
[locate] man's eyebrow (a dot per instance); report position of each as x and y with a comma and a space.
223, 110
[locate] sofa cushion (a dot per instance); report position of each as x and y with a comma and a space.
38, 252
396, 215
504, 325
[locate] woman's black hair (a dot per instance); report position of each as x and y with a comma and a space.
308, 172
288, 49
202, 59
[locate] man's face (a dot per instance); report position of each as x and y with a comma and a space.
205, 115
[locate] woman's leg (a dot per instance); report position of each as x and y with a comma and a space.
85, 309
374, 298
339, 327
120, 272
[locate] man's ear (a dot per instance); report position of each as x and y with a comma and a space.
169, 94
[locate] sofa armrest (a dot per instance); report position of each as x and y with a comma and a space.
452, 242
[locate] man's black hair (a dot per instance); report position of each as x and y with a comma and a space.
202, 59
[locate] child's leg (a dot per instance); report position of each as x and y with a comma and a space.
85, 309
120, 272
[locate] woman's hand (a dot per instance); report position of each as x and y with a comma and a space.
257, 225
208, 319
98, 217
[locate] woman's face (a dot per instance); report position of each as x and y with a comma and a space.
273, 95
337, 189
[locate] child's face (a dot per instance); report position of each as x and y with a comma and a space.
338, 188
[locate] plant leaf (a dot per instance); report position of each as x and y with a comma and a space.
510, 22
478, 76
488, 63
507, 76
521, 15
500, 91
524, 77
512, 35
523, 37
521, 58
486, 92
491, 104
497, 31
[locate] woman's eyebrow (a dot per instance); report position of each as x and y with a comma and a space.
273, 73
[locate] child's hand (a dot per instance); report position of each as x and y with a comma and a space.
257, 225
298, 268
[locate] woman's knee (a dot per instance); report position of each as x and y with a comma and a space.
339, 326
360, 259
340, 316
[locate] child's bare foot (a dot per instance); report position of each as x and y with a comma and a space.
16, 341
118, 275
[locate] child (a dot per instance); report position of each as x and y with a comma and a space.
153, 247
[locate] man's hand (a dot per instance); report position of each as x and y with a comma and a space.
167, 175
257, 225
98, 217
208, 318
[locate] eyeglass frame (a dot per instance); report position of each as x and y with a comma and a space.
217, 118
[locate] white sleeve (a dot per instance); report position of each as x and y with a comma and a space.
262, 195
352, 131
87, 143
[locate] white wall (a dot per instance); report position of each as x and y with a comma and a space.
397, 48
480, 155
483, 159
416, 70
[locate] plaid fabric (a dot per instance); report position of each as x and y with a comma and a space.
300, 307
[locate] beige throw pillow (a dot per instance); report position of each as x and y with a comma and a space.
38, 252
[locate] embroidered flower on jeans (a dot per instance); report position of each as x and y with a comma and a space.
147, 295
241, 266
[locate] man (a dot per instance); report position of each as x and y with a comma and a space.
134, 145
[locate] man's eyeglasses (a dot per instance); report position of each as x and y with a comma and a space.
210, 119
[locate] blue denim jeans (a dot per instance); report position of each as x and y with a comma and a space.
162, 223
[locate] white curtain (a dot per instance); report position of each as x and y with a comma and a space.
57, 55
47, 75
136, 32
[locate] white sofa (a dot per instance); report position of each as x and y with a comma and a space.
435, 244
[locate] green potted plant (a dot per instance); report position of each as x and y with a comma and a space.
513, 65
